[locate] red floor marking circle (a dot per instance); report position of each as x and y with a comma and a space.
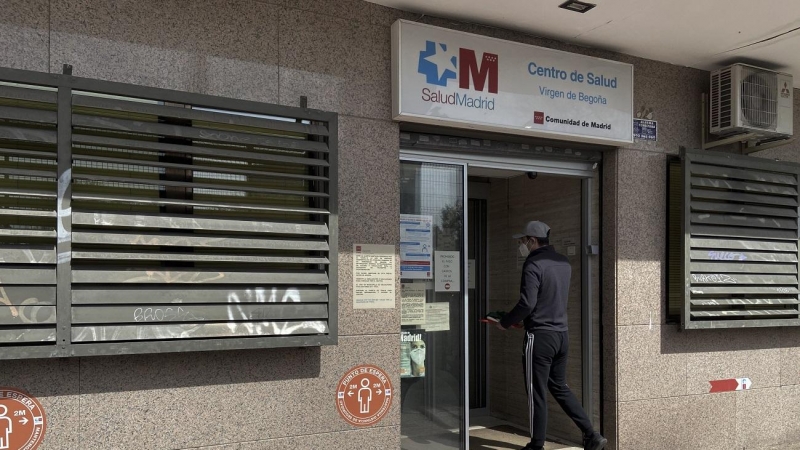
22, 420
364, 395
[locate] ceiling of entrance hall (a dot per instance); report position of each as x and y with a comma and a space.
704, 34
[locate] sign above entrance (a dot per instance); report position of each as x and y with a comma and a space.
463, 80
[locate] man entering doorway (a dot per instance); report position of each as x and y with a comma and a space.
543, 308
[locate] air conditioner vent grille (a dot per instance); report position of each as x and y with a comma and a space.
715, 100
759, 91
725, 98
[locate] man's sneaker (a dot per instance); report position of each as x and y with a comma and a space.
530, 447
594, 442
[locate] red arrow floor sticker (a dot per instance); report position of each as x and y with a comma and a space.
732, 384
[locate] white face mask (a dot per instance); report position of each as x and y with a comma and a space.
418, 356
523, 250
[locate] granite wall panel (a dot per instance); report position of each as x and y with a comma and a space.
338, 56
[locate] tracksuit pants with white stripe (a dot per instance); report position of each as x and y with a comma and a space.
545, 365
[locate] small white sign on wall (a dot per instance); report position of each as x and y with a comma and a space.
447, 267
373, 276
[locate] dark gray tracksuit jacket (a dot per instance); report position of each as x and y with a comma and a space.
543, 292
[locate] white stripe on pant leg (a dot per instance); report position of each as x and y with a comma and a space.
529, 379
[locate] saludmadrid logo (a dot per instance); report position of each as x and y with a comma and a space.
440, 66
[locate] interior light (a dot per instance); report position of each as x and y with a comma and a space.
577, 6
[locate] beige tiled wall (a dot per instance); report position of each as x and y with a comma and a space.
337, 54
660, 383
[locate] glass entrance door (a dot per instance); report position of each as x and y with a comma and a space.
433, 299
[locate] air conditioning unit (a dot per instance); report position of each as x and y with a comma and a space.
749, 99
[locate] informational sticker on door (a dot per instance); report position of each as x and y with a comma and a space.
22, 420
412, 304
570, 246
472, 273
412, 354
437, 316
364, 395
447, 267
373, 276
416, 246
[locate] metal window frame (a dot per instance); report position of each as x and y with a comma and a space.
687, 158
63, 347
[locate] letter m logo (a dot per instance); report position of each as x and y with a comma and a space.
468, 68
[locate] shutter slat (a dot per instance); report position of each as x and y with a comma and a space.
741, 232
742, 209
162, 276
747, 313
743, 268
724, 278
198, 223
744, 290
198, 150
30, 135
182, 240
742, 174
27, 254
164, 202
26, 275
198, 257
223, 187
28, 115
29, 296
219, 169
195, 331
196, 114
743, 221
27, 335
744, 186
746, 301
28, 314
717, 255
82, 295
743, 245
148, 313
201, 134
739, 197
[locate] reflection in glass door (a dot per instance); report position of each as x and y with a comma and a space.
432, 355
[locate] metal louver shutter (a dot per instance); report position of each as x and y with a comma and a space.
28, 121
738, 260
182, 222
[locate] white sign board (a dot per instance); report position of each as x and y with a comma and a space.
437, 316
416, 246
448, 271
373, 276
412, 304
452, 78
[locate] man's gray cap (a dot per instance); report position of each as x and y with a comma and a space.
534, 229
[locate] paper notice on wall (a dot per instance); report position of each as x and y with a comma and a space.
472, 273
437, 316
416, 246
448, 271
412, 304
373, 276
